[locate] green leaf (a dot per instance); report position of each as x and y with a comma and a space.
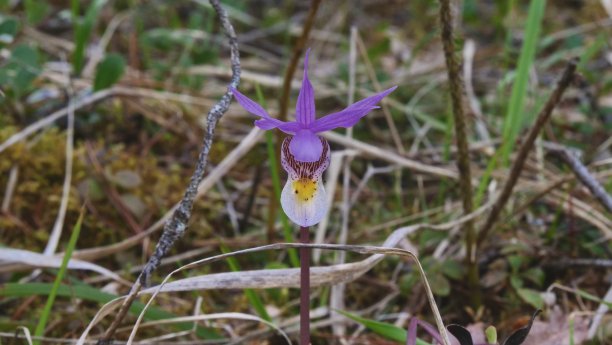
439, 284
384, 329
21, 69
36, 11
408, 281
453, 269
535, 275
516, 281
532, 297
109, 71
8, 29
515, 262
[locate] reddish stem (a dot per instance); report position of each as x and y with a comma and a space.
304, 287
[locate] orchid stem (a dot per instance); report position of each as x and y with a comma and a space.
304, 287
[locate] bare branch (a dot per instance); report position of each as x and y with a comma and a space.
521, 158
583, 174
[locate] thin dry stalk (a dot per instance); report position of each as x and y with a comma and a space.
463, 151
10, 188
177, 224
61, 214
336, 301
331, 176
391, 157
469, 50
521, 158
583, 175
298, 51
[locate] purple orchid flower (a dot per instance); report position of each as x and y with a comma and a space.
306, 155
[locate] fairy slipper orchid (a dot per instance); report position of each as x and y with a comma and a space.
304, 154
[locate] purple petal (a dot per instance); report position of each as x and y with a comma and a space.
249, 105
270, 123
412, 329
266, 122
306, 146
350, 115
431, 330
305, 106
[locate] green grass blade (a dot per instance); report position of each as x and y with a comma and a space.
88, 293
82, 32
287, 228
251, 295
383, 329
42, 322
514, 114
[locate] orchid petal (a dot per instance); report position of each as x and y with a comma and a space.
270, 123
350, 115
250, 105
306, 146
305, 106
266, 122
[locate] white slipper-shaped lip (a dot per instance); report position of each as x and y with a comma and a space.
303, 198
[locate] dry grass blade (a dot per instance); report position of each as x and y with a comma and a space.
32, 259
10, 188
216, 316
61, 214
283, 278
26, 333
290, 278
381, 251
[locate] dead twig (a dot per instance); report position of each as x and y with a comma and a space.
519, 162
177, 224
463, 151
584, 176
